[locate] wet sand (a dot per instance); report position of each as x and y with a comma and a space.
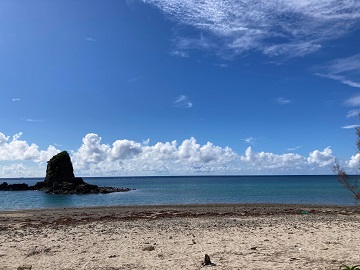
178, 237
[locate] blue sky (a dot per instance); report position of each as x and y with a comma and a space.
168, 87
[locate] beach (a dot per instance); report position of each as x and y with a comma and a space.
244, 236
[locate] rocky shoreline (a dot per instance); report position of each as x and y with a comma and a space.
64, 188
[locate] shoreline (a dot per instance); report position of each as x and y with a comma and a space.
235, 236
80, 215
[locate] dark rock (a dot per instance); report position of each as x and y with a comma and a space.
207, 261
38, 186
13, 187
148, 248
59, 169
4, 186
60, 179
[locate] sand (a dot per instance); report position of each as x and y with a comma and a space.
178, 237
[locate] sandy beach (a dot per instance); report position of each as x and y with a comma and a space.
178, 237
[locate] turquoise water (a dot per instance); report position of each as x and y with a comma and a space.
322, 190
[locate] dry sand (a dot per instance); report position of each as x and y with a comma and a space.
178, 237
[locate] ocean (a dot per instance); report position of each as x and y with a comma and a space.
318, 190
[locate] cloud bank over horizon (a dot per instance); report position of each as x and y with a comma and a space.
130, 158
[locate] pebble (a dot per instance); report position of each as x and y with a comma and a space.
25, 267
148, 248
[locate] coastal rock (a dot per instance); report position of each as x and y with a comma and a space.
60, 179
13, 187
59, 170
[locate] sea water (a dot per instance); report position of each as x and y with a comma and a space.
319, 190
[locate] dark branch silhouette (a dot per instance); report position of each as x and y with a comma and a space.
350, 183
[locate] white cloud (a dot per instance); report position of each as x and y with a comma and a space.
13, 169
192, 152
264, 161
250, 140
294, 148
276, 28
222, 65
352, 113
282, 101
345, 70
353, 101
180, 53
16, 99
33, 120
321, 158
350, 126
127, 157
16, 149
182, 102
292, 49
354, 161
90, 39
91, 151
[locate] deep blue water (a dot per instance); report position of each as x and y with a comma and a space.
322, 190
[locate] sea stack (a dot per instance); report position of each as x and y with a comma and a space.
59, 169
60, 179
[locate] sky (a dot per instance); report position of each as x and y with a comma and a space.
179, 87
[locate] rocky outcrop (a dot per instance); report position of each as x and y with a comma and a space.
60, 170
13, 187
78, 186
60, 179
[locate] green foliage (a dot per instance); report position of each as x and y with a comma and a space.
346, 267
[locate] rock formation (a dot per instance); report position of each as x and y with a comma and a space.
59, 169
60, 179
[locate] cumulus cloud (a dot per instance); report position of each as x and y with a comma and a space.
287, 163
321, 158
127, 157
130, 156
13, 169
182, 102
275, 28
354, 161
264, 160
16, 149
